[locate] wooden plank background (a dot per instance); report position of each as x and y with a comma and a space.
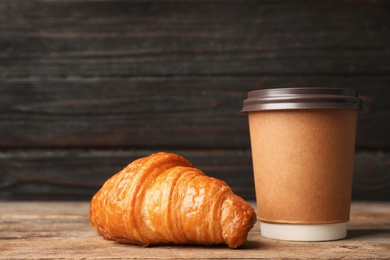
87, 86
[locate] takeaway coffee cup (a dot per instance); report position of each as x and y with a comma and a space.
303, 144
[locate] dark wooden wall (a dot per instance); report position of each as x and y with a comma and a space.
87, 86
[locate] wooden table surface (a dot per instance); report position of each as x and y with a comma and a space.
32, 230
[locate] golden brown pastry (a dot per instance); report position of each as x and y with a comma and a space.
163, 199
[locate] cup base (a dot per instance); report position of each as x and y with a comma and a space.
297, 232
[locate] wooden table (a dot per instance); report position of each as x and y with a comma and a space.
32, 230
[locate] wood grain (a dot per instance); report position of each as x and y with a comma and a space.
86, 86
148, 38
142, 113
77, 175
62, 230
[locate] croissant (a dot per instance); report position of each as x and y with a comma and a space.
163, 199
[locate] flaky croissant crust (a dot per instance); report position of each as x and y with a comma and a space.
163, 199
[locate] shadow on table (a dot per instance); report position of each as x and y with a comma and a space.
251, 244
359, 233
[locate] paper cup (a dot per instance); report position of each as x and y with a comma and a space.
303, 143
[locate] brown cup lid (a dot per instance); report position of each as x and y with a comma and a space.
302, 98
